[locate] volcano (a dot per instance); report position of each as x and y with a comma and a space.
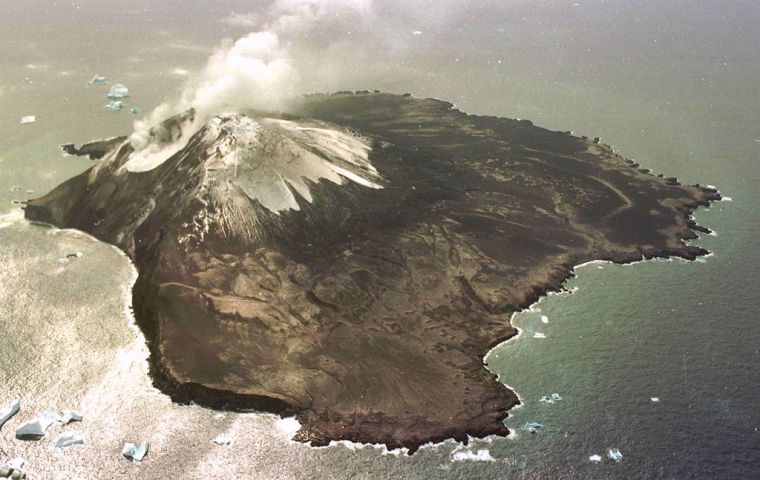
351, 259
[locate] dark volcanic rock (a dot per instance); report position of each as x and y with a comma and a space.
284, 266
95, 150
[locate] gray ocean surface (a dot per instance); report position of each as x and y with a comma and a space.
674, 85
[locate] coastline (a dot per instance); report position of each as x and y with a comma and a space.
549, 277
533, 307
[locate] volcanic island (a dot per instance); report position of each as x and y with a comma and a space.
350, 259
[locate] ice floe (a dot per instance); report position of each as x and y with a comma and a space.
97, 80
35, 429
68, 416
115, 106
135, 453
13, 469
9, 411
118, 91
68, 439
532, 427
615, 454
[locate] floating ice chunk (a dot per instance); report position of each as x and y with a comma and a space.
35, 429
595, 458
544, 319
98, 80
8, 412
28, 119
539, 335
532, 427
135, 453
13, 470
615, 454
118, 91
417, 32
70, 416
223, 440
115, 106
68, 439
655, 399
550, 399
134, 110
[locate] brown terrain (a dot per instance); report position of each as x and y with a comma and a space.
367, 312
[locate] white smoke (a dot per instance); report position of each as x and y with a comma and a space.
255, 71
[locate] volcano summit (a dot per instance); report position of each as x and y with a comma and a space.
351, 261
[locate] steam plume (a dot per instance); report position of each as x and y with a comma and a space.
255, 71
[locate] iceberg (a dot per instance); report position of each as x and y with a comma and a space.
13, 470
98, 80
69, 416
595, 458
550, 399
655, 399
68, 439
8, 412
118, 91
615, 454
532, 427
115, 106
135, 453
223, 440
35, 429
28, 119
